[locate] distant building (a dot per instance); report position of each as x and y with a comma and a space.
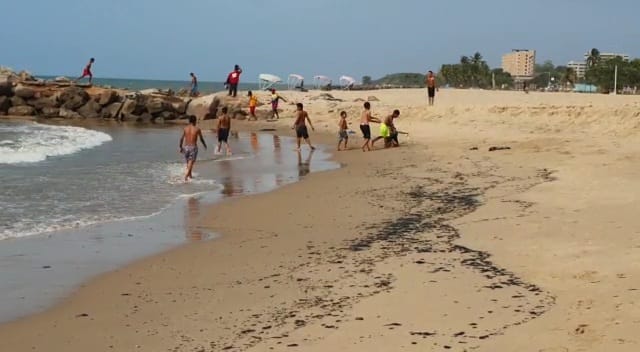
520, 63
579, 67
609, 56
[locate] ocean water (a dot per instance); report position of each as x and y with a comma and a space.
140, 84
78, 201
61, 177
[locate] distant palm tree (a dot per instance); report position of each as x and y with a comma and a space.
465, 60
593, 58
476, 59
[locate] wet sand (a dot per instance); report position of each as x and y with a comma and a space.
438, 245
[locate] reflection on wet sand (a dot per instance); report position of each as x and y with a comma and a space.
304, 168
192, 232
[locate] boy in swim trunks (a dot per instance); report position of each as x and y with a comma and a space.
87, 71
189, 138
387, 130
342, 132
274, 103
300, 126
224, 126
365, 120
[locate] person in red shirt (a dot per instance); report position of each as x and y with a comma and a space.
87, 71
233, 79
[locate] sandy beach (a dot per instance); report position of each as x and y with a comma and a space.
438, 245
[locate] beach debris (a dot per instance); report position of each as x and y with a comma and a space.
82, 315
473, 148
493, 149
423, 334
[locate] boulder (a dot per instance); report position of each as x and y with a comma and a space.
168, 115
111, 111
205, 107
156, 106
5, 103
68, 114
17, 101
50, 112
133, 106
107, 97
22, 110
24, 92
90, 110
42, 103
372, 98
144, 118
6, 88
180, 107
73, 98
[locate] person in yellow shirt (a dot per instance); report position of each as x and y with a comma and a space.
253, 102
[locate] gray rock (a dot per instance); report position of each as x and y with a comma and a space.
90, 110
68, 114
22, 110
111, 111
73, 98
180, 108
6, 88
168, 115
107, 97
5, 103
133, 107
23, 92
42, 103
50, 112
17, 101
157, 106
144, 118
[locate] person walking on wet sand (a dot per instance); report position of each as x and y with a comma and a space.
224, 126
87, 71
365, 120
430, 81
300, 126
275, 98
189, 145
343, 135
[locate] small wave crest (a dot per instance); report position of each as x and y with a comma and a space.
36, 142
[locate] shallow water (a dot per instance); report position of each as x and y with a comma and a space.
77, 212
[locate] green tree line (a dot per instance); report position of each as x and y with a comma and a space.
473, 72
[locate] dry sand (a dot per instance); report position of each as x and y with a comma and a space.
438, 245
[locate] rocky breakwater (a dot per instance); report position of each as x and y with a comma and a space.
74, 102
208, 107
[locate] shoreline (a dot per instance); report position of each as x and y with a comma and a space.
440, 244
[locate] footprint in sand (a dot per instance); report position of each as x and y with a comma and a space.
581, 329
554, 349
589, 275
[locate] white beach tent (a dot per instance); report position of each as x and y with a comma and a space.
320, 81
266, 81
294, 81
347, 82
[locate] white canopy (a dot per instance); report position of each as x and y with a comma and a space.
294, 81
266, 81
320, 81
347, 82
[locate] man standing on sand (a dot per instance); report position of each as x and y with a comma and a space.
300, 126
87, 71
224, 126
430, 81
365, 120
194, 85
189, 138
233, 79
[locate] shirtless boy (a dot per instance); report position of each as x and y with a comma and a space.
189, 145
343, 135
365, 120
300, 126
224, 126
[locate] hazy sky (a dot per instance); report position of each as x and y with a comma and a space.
166, 39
